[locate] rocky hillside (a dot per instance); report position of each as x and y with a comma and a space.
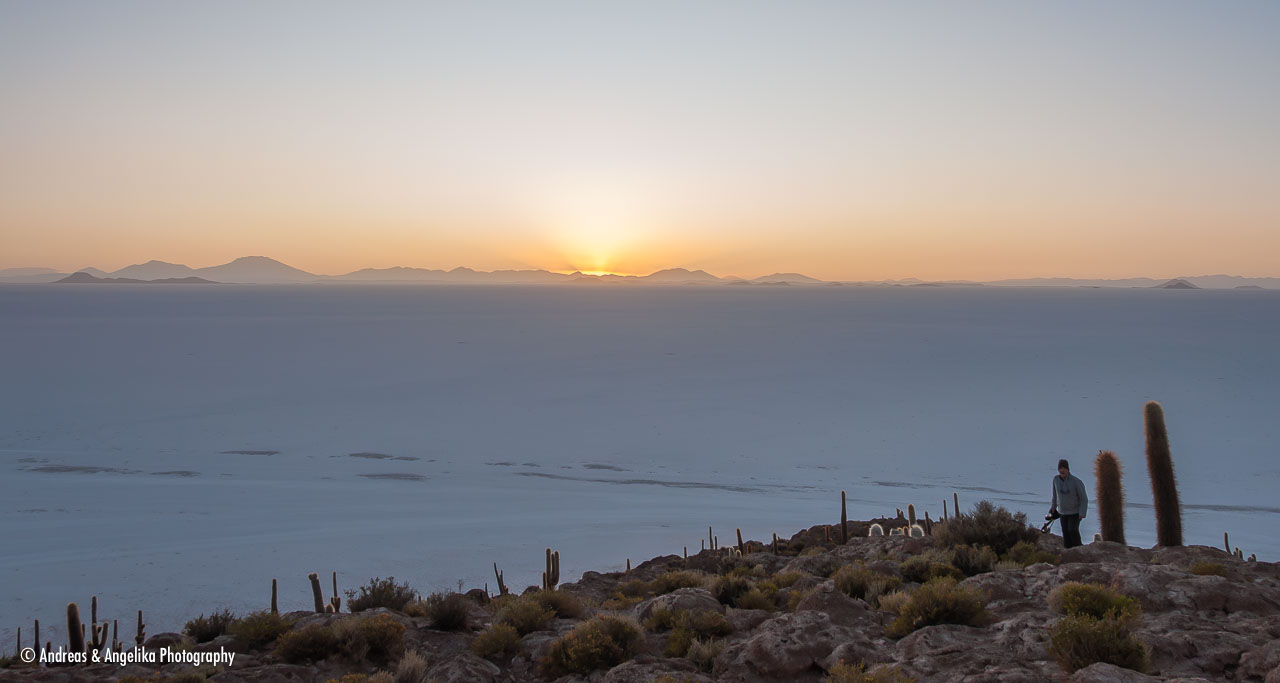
986, 603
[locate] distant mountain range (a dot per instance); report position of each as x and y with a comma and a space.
263, 270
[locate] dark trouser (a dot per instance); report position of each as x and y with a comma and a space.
1070, 531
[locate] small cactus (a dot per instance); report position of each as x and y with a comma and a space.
551, 573
1226, 541
142, 631
1097, 537
955, 503
335, 600
875, 530
896, 531
741, 547
915, 531
911, 514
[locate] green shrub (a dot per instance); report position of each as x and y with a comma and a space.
498, 642
994, 527
601, 643
859, 581
204, 629
1026, 554
1078, 641
857, 673
380, 593
940, 601
676, 580
525, 614
893, 602
703, 652
1093, 600
686, 627
447, 611
972, 560
258, 629
1208, 569
565, 605
727, 589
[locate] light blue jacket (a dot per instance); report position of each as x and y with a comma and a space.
1069, 497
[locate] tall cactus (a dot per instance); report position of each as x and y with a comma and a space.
316, 591
844, 521
275, 609
1164, 486
1110, 496
335, 600
75, 628
911, 514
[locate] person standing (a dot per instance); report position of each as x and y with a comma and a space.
1071, 502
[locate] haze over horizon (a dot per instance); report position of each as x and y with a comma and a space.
844, 141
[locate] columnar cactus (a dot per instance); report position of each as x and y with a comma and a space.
1164, 486
75, 628
1110, 496
502, 585
955, 503
274, 608
551, 573
741, 548
844, 521
335, 600
316, 593
142, 631
911, 514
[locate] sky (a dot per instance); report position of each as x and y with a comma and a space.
844, 140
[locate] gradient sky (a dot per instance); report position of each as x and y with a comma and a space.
844, 140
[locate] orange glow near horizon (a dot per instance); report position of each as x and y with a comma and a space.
847, 141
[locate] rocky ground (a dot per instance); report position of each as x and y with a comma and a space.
1195, 627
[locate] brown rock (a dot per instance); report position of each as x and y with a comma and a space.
841, 608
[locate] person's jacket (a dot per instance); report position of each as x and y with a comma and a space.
1069, 497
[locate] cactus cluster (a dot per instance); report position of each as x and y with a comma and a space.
551, 574
502, 585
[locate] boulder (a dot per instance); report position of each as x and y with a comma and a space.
463, 668
787, 647
690, 599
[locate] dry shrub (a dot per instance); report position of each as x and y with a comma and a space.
1095, 601
857, 673
412, 668
973, 560
859, 581
447, 611
602, 643
893, 602
204, 629
498, 642
380, 593
1026, 554
565, 605
931, 565
258, 629
994, 527
1204, 568
676, 580
377, 639
703, 652
525, 614
940, 601
1079, 641
755, 599
727, 589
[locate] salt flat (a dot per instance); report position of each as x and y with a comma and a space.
173, 449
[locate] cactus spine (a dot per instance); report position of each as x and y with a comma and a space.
1164, 486
75, 629
316, 592
844, 521
1110, 496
